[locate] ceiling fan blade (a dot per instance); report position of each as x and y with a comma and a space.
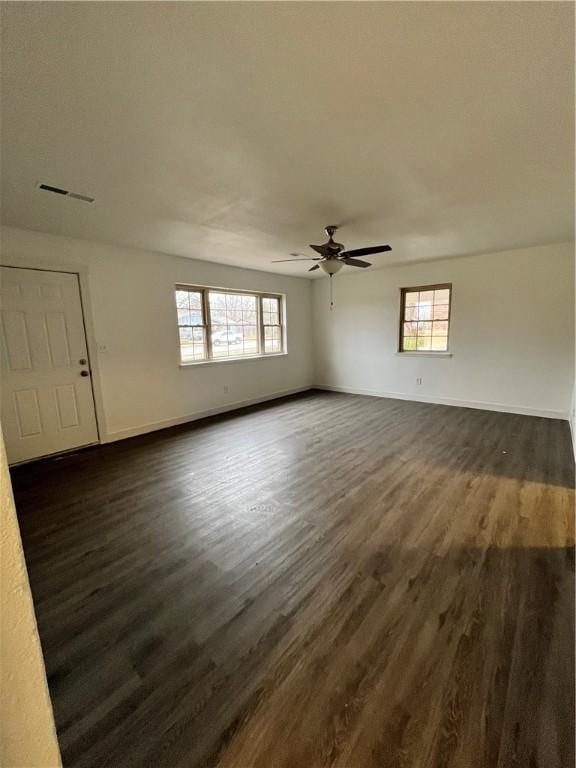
356, 263
321, 249
367, 251
280, 261
316, 266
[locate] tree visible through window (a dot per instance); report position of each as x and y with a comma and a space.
425, 318
233, 324
215, 324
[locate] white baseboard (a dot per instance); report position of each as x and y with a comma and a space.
111, 437
478, 404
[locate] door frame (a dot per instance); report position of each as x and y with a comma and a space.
81, 272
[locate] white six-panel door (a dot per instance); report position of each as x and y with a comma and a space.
47, 401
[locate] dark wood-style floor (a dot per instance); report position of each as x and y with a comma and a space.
327, 580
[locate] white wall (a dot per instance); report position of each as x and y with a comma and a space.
27, 736
132, 324
511, 334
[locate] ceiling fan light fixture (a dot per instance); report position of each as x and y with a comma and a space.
331, 266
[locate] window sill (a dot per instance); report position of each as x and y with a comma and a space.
424, 354
246, 359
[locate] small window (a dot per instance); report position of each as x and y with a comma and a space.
215, 324
272, 324
425, 318
191, 325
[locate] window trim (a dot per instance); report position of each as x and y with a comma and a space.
204, 291
423, 352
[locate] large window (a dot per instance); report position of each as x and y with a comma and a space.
215, 324
425, 318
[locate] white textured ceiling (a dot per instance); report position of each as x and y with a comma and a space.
234, 132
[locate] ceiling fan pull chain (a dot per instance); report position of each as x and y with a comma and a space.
331, 293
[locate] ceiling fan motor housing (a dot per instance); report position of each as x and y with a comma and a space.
332, 248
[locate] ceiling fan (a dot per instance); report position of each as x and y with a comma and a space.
333, 256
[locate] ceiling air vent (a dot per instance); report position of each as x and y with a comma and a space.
66, 192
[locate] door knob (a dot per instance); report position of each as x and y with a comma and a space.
82, 361
84, 373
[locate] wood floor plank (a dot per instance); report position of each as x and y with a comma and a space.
326, 580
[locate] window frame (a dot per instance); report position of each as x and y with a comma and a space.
204, 291
421, 288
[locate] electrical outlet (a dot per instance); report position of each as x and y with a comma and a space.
419, 380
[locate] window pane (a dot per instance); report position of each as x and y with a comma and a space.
271, 311
192, 344
272, 339
184, 317
196, 317
424, 329
250, 344
442, 296
409, 343
189, 317
439, 343
217, 300
410, 329
235, 316
425, 312
440, 328
188, 299
441, 311
272, 346
269, 304
426, 297
411, 298
273, 332
424, 342
219, 335
218, 316
411, 313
